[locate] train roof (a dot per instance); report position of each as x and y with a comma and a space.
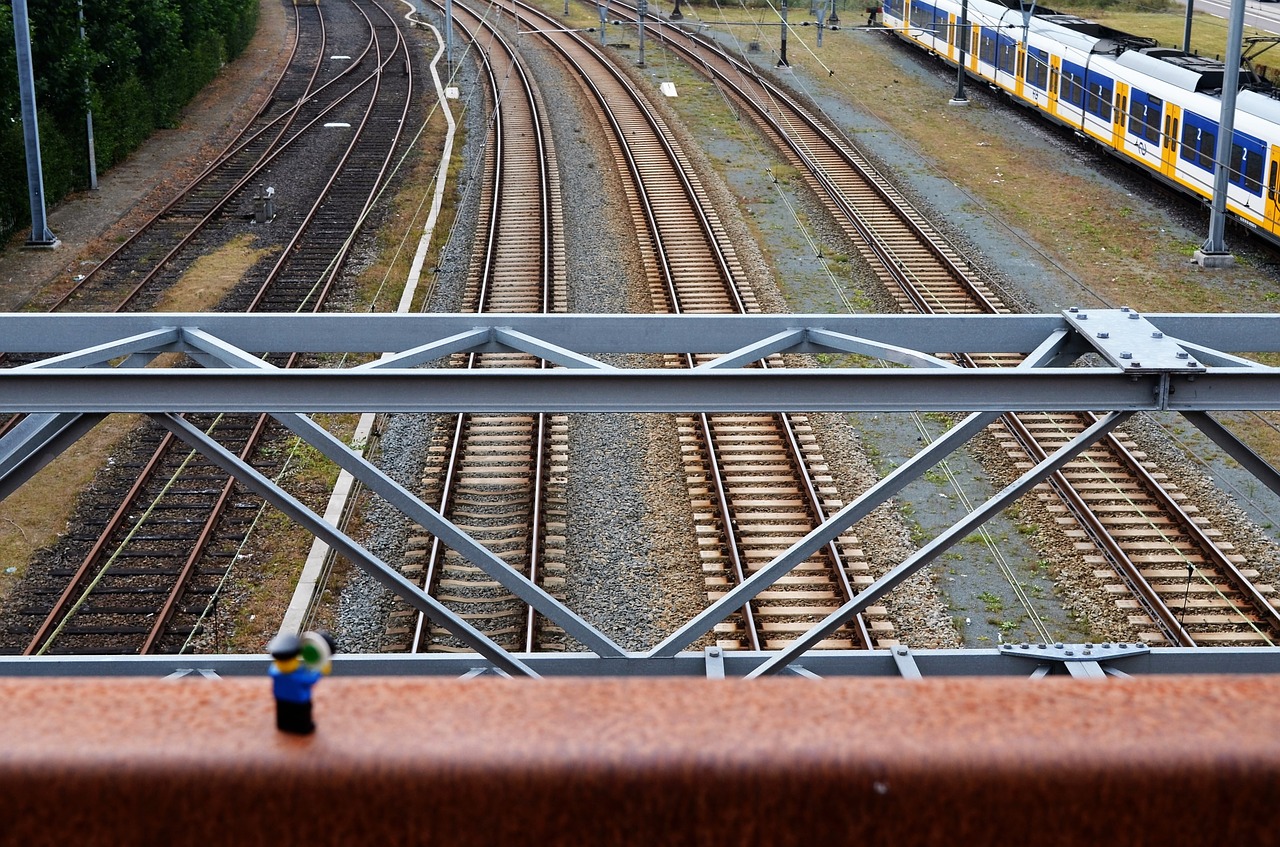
1081, 39
1259, 105
1099, 37
1155, 65
1075, 32
1166, 65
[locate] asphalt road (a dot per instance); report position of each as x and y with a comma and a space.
1257, 14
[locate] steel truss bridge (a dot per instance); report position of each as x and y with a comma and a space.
1111, 362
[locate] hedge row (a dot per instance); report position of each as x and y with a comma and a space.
139, 63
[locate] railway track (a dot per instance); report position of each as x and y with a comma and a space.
492, 475
757, 483
219, 201
1177, 579
148, 568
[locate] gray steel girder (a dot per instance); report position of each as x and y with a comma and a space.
97, 364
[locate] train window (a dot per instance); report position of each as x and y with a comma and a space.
1238, 157
1271, 183
1007, 57
1198, 145
1246, 165
922, 17
1037, 68
1099, 101
1253, 173
1144, 116
897, 7
987, 46
1072, 87
1208, 147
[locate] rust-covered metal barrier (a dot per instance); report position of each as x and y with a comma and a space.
644, 761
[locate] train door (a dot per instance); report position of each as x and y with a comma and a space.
1119, 115
1272, 219
1055, 76
1170, 135
1020, 62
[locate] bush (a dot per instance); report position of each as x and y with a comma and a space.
140, 63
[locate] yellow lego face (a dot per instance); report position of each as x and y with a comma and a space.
288, 665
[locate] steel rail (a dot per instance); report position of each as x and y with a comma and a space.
496, 240
335, 263
836, 143
178, 587
237, 145
771, 119
1207, 545
715, 248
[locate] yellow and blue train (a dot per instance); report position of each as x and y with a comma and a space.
1158, 108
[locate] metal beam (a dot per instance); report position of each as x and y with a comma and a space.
413, 508
382, 333
553, 353
1263, 470
251, 479
462, 342
35, 442
512, 390
832, 528
98, 354
757, 350
942, 543
878, 349
969, 662
451, 536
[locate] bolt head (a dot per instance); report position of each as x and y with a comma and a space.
1157, 334
1104, 335
1126, 355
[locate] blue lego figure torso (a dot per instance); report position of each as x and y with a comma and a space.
294, 687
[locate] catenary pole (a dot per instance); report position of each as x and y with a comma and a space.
1214, 252
88, 118
962, 42
41, 235
782, 56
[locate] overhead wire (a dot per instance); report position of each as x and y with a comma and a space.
1006, 568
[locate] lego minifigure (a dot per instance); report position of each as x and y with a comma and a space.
299, 664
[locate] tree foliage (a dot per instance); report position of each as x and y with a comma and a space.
139, 63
